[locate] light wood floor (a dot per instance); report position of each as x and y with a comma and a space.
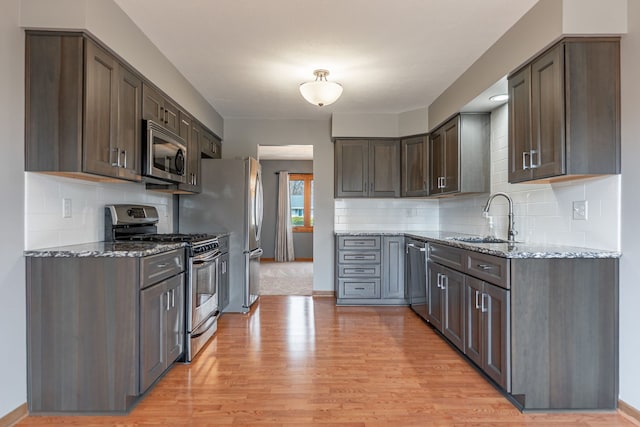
299, 361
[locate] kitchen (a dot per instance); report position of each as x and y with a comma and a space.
239, 141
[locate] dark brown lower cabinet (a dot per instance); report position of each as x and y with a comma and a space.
95, 340
446, 303
161, 328
487, 341
82, 337
545, 330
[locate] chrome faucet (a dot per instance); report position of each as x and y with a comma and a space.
511, 233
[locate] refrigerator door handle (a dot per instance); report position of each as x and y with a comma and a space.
256, 253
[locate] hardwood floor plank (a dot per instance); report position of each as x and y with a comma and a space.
302, 361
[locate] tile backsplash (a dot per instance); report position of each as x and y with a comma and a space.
386, 215
543, 212
45, 225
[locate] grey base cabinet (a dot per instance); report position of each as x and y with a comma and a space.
370, 270
82, 337
100, 330
544, 330
161, 328
446, 303
488, 329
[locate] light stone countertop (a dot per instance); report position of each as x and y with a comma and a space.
504, 250
105, 249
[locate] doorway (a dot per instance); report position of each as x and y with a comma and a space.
287, 278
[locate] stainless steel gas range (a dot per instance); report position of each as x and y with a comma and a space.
139, 223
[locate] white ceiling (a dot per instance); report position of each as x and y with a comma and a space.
248, 57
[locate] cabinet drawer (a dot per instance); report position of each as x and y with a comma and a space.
158, 267
351, 288
445, 255
359, 257
360, 242
359, 270
489, 268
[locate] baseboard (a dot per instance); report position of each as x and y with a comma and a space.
296, 260
629, 411
323, 294
14, 416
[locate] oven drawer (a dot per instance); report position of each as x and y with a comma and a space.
156, 268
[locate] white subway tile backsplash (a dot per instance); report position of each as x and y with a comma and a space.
45, 226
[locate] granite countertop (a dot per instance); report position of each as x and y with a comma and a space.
504, 250
105, 249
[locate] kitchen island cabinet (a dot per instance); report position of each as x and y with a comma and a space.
90, 328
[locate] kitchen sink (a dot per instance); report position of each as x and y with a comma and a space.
478, 239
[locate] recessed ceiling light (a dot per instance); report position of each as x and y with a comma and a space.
499, 98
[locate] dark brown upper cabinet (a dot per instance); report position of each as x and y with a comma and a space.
190, 132
459, 155
564, 112
83, 112
367, 168
160, 109
414, 166
210, 145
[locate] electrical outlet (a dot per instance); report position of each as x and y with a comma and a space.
66, 208
580, 210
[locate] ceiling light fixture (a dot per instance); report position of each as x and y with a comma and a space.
321, 92
499, 98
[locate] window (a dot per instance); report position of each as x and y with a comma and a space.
301, 195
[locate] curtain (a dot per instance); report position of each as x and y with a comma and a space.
284, 235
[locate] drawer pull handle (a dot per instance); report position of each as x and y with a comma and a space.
359, 270
484, 267
162, 265
359, 289
358, 257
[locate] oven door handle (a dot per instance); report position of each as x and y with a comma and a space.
206, 259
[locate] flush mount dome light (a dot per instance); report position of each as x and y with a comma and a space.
321, 92
499, 98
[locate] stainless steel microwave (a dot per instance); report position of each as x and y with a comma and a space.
164, 154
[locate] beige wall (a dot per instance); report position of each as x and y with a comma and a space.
242, 137
13, 357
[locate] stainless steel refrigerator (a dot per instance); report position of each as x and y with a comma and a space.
231, 200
